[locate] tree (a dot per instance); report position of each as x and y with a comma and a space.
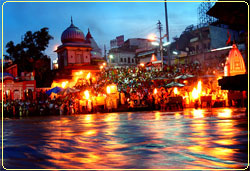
29, 51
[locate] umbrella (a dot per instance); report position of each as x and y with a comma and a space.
68, 91
183, 77
54, 90
175, 84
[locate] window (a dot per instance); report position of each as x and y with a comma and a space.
129, 60
125, 59
133, 61
121, 59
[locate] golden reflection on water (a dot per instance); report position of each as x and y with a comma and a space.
157, 116
198, 113
107, 141
225, 113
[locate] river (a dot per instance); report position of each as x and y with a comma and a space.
189, 139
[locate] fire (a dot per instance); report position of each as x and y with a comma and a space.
88, 76
199, 87
195, 94
155, 91
64, 84
86, 94
175, 91
108, 89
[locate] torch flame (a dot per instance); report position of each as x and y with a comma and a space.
108, 89
199, 87
175, 90
88, 76
86, 93
155, 91
195, 94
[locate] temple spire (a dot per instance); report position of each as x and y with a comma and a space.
71, 21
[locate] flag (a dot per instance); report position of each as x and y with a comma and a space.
229, 37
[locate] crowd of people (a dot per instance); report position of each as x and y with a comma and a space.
135, 85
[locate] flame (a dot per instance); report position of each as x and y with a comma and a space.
86, 93
88, 76
175, 90
195, 94
108, 89
155, 91
64, 84
199, 87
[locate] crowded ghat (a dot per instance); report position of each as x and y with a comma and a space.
129, 89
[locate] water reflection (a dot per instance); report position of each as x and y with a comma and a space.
196, 139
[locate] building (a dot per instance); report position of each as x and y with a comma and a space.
208, 46
74, 51
18, 87
76, 54
125, 55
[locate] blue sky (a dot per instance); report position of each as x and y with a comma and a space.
106, 20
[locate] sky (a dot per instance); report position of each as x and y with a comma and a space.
106, 20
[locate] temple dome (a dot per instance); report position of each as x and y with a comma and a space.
72, 35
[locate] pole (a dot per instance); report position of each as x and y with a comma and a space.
161, 49
167, 33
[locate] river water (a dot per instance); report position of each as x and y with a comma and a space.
189, 139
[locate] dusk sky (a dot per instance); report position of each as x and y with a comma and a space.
105, 20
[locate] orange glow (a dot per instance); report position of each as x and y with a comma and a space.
101, 67
157, 116
175, 91
86, 93
225, 142
152, 37
90, 133
88, 76
88, 118
155, 91
199, 88
153, 59
108, 89
195, 94
142, 64
235, 64
226, 113
198, 114
64, 84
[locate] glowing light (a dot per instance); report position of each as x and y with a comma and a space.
108, 89
101, 67
155, 91
166, 43
80, 72
142, 64
195, 94
88, 118
198, 114
86, 94
64, 84
155, 43
104, 64
88, 76
199, 87
111, 56
227, 113
152, 37
157, 116
175, 53
175, 91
